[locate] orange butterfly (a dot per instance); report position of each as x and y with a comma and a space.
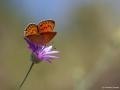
41, 33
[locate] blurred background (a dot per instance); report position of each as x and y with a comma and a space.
88, 40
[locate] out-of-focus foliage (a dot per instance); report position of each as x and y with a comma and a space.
88, 40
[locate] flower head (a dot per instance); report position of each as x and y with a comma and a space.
41, 52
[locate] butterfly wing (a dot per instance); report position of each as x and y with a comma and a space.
31, 30
46, 26
42, 38
41, 33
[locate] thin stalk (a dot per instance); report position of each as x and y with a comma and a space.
26, 75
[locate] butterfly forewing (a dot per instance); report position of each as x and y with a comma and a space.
46, 26
31, 30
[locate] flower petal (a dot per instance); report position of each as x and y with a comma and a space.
47, 49
51, 57
52, 52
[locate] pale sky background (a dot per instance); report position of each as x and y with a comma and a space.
53, 9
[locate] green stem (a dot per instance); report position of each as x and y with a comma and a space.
26, 76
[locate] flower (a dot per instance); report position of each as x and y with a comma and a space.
41, 52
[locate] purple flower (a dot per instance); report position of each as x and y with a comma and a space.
41, 52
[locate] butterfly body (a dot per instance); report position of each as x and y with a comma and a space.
41, 33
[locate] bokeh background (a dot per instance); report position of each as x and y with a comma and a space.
88, 40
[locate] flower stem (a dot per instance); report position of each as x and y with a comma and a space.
26, 76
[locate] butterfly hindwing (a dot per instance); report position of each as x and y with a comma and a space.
43, 38
47, 37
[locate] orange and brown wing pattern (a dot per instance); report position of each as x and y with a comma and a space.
31, 30
46, 26
42, 33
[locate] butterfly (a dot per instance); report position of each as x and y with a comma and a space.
42, 33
